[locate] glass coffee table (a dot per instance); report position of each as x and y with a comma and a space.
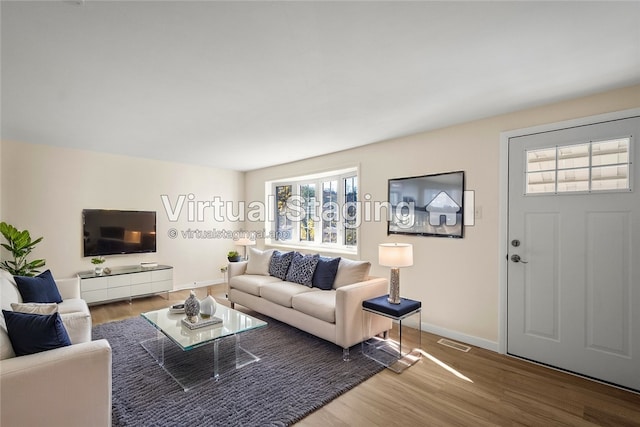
196, 356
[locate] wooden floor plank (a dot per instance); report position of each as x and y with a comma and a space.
490, 389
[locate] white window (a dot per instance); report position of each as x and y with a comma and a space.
579, 168
319, 210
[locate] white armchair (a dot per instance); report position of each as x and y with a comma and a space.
68, 386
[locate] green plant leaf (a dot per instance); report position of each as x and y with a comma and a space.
20, 246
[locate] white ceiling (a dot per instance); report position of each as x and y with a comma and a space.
243, 85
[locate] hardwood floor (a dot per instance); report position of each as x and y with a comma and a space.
449, 387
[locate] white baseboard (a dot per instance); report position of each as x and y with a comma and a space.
200, 284
460, 337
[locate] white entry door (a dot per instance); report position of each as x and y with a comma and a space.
574, 250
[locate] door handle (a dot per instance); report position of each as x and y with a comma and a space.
516, 258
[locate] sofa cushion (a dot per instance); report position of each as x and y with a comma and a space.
279, 264
6, 350
34, 307
325, 273
41, 288
281, 293
8, 290
73, 305
302, 269
251, 283
318, 304
34, 333
350, 272
259, 261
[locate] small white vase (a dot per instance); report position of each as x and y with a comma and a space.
98, 270
208, 307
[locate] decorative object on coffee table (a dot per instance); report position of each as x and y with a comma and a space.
395, 255
207, 307
192, 307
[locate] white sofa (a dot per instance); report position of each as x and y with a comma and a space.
335, 315
68, 386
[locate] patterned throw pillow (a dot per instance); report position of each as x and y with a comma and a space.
279, 264
302, 269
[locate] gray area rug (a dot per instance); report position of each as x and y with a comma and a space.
297, 374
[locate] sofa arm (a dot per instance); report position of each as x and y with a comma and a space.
69, 288
349, 310
236, 269
68, 386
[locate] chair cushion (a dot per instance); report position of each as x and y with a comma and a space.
73, 305
318, 304
325, 273
34, 307
279, 264
281, 293
8, 290
6, 350
350, 272
302, 269
259, 261
42, 288
34, 333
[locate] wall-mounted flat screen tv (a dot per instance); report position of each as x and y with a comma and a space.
109, 232
428, 205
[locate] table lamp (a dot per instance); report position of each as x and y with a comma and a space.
245, 241
395, 255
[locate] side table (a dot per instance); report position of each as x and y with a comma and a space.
384, 350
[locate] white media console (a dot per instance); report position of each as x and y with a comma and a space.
125, 283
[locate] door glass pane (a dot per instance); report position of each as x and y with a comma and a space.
610, 152
541, 160
573, 180
541, 182
573, 156
610, 178
592, 166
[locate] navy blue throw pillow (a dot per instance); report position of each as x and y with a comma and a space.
325, 273
42, 288
33, 333
279, 264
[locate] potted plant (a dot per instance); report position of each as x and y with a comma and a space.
233, 256
20, 246
98, 261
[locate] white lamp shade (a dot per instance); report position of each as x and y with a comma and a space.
245, 241
395, 254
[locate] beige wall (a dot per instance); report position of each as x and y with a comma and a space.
456, 279
44, 190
